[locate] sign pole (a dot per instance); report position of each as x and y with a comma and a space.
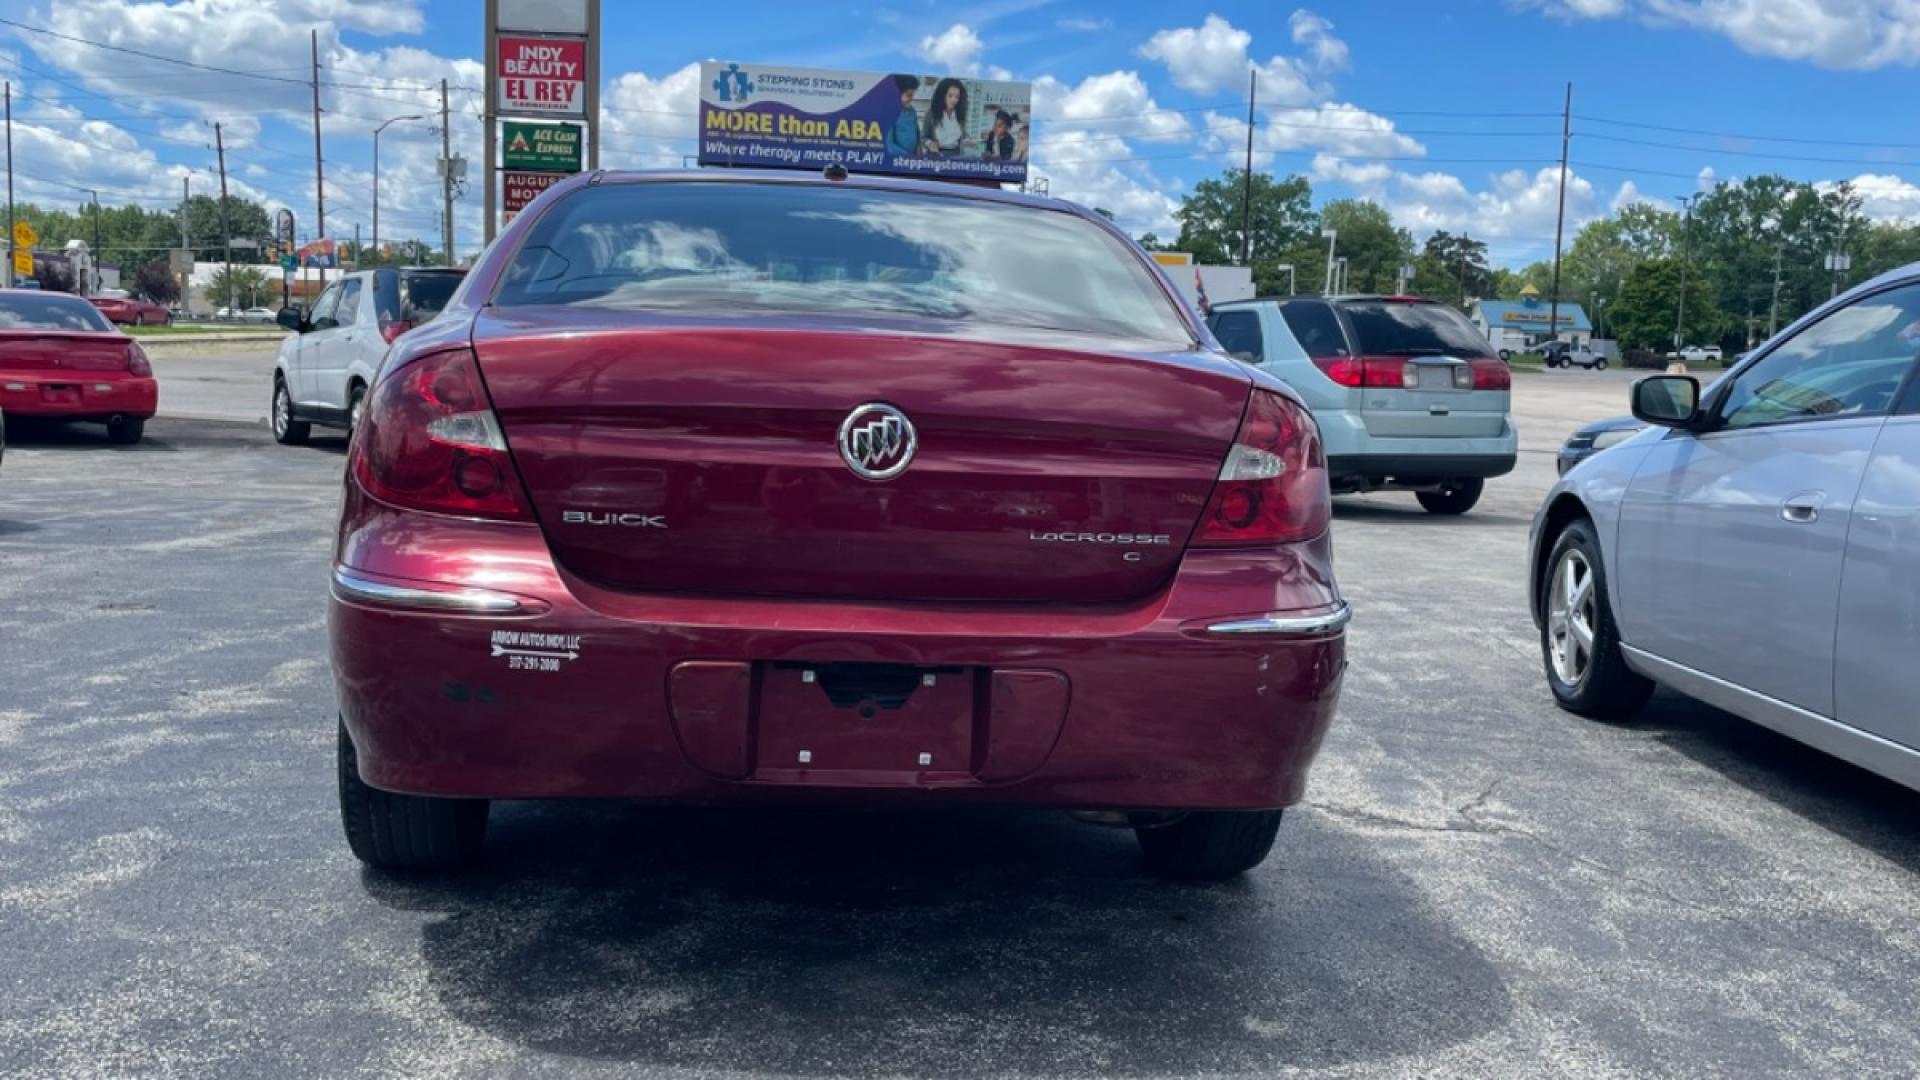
489, 163
9, 184
592, 96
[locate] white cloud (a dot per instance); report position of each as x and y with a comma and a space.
957, 48
1082, 166
1081, 24
1204, 59
1630, 194
1517, 206
1846, 34
1114, 104
648, 122
1884, 197
1336, 130
1315, 34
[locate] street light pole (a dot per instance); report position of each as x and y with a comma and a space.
1332, 236
1686, 234
1292, 283
95, 287
376, 177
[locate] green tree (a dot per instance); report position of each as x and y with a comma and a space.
1453, 269
1595, 265
249, 221
251, 287
1212, 218
1366, 237
1645, 314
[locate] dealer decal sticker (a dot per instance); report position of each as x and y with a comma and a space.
528, 651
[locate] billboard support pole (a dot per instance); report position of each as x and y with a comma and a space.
489, 162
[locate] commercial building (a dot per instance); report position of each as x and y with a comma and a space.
1517, 325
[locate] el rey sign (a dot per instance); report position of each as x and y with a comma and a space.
543, 76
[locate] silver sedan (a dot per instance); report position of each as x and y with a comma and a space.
1755, 547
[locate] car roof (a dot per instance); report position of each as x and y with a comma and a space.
1342, 298
936, 188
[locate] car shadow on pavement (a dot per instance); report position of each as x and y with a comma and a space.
1013, 943
1877, 814
1401, 508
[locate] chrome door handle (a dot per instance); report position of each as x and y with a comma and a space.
1802, 508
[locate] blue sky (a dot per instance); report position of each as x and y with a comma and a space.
1444, 113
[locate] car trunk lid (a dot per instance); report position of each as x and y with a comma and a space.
1430, 374
668, 452
43, 351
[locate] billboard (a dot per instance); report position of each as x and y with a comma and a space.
905, 124
544, 76
518, 189
526, 144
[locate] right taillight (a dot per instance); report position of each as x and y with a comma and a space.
1490, 373
393, 330
1273, 485
429, 441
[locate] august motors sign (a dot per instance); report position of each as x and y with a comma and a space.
903, 123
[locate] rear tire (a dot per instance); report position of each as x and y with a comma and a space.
286, 430
126, 430
1456, 497
1602, 686
1209, 845
406, 832
1600, 364
356, 400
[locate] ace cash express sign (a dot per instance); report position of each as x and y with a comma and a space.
542, 76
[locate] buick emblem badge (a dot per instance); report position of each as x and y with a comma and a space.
877, 441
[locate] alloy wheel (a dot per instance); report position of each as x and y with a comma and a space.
1572, 605
282, 410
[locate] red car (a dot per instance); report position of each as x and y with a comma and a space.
789, 490
60, 358
132, 311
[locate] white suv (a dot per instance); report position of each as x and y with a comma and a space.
326, 365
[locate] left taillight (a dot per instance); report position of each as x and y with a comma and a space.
1273, 486
429, 440
394, 329
137, 363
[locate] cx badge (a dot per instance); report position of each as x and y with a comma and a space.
877, 441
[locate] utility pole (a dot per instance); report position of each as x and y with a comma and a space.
489, 159
319, 170
1246, 185
184, 198
1560, 220
226, 227
446, 176
9, 183
1686, 234
1773, 314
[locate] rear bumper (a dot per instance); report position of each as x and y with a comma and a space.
1419, 467
468, 665
79, 395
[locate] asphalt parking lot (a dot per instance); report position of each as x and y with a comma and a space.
1478, 884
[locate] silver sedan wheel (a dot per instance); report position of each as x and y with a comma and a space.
353, 418
1572, 606
282, 410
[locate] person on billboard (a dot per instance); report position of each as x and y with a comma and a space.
998, 144
903, 139
946, 126
1020, 144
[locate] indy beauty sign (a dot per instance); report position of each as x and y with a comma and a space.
542, 76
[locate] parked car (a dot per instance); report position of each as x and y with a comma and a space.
1699, 354
904, 520
324, 369
132, 310
1759, 554
1408, 395
61, 358
1590, 439
1562, 354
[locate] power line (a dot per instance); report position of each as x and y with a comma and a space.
150, 56
1746, 153
1749, 138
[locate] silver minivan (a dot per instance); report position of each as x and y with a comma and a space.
1408, 395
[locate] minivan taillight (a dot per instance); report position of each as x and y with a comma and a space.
394, 329
429, 441
1273, 486
1373, 372
137, 363
1490, 373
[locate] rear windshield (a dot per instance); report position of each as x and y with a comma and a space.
427, 294
49, 312
743, 248
1388, 328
